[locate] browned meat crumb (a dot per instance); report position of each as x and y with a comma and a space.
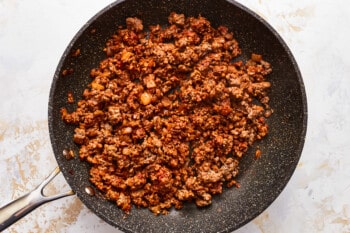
70, 97
257, 153
76, 53
67, 71
168, 115
68, 154
134, 24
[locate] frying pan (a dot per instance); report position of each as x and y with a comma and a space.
261, 180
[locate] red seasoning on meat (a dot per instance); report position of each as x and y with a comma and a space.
168, 115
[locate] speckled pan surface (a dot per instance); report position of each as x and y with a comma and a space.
261, 180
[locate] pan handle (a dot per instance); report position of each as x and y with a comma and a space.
17, 209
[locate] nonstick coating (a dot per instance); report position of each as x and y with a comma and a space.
261, 180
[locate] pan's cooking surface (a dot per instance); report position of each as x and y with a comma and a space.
261, 180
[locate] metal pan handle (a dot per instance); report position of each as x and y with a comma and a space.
17, 209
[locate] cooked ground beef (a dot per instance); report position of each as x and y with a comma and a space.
168, 115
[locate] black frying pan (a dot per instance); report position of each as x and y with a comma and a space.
261, 180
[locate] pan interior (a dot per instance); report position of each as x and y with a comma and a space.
261, 180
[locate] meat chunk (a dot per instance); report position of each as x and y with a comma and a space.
134, 24
178, 19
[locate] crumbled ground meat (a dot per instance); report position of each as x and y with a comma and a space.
168, 115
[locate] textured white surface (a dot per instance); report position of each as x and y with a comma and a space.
33, 36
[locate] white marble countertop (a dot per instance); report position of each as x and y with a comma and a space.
33, 36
